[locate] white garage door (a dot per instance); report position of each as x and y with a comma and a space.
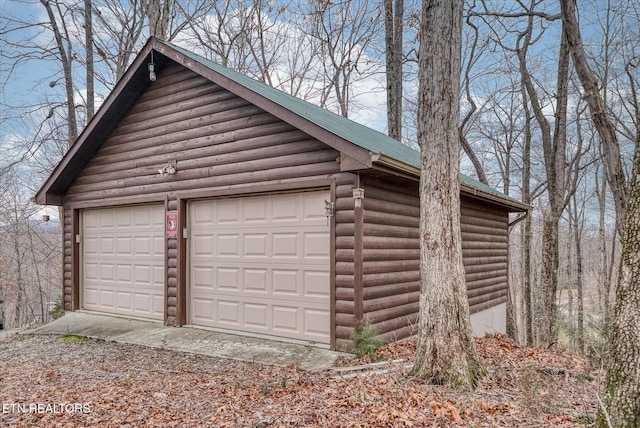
261, 264
123, 260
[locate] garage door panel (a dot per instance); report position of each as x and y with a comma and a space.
255, 210
255, 281
123, 246
286, 319
202, 277
105, 220
204, 245
91, 245
106, 299
107, 272
285, 282
91, 296
315, 246
255, 245
143, 275
285, 208
228, 212
228, 245
123, 218
123, 273
124, 301
270, 262
202, 309
123, 260
310, 203
228, 279
315, 322
256, 315
229, 314
285, 245
314, 284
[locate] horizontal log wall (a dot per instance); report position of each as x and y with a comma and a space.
345, 318
222, 145
391, 258
485, 248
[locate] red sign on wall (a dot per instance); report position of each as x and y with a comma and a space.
172, 224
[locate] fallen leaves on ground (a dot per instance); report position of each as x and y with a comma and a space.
129, 386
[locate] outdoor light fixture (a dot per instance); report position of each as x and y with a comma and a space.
152, 69
168, 169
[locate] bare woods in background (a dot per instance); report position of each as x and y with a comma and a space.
30, 258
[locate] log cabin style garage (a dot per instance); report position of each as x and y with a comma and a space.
209, 199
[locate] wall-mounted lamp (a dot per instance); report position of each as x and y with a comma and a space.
168, 169
152, 69
358, 196
329, 209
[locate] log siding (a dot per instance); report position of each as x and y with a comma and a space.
391, 256
485, 249
222, 145
344, 241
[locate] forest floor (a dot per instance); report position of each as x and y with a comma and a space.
72, 381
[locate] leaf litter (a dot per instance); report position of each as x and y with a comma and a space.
124, 385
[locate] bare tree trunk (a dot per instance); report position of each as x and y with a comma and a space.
158, 17
526, 228
446, 352
570, 263
555, 160
66, 59
546, 310
477, 165
579, 276
88, 38
602, 247
622, 394
393, 25
604, 126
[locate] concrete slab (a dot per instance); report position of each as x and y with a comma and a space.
186, 339
8, 334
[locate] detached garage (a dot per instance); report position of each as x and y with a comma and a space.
209, 199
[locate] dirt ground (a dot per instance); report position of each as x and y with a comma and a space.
70, 381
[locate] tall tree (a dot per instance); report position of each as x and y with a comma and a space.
446, 352
556, 168
622, 395
88, 38
527, 296
64, 47
158, 15
393, 30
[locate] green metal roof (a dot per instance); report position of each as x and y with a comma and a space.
367, 138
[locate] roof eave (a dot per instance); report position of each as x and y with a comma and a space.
395, 164
94, 134
414, 171
510, 204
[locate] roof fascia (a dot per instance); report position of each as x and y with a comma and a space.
409, 170
94, 133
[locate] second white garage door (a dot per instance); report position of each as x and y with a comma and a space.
261, 264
